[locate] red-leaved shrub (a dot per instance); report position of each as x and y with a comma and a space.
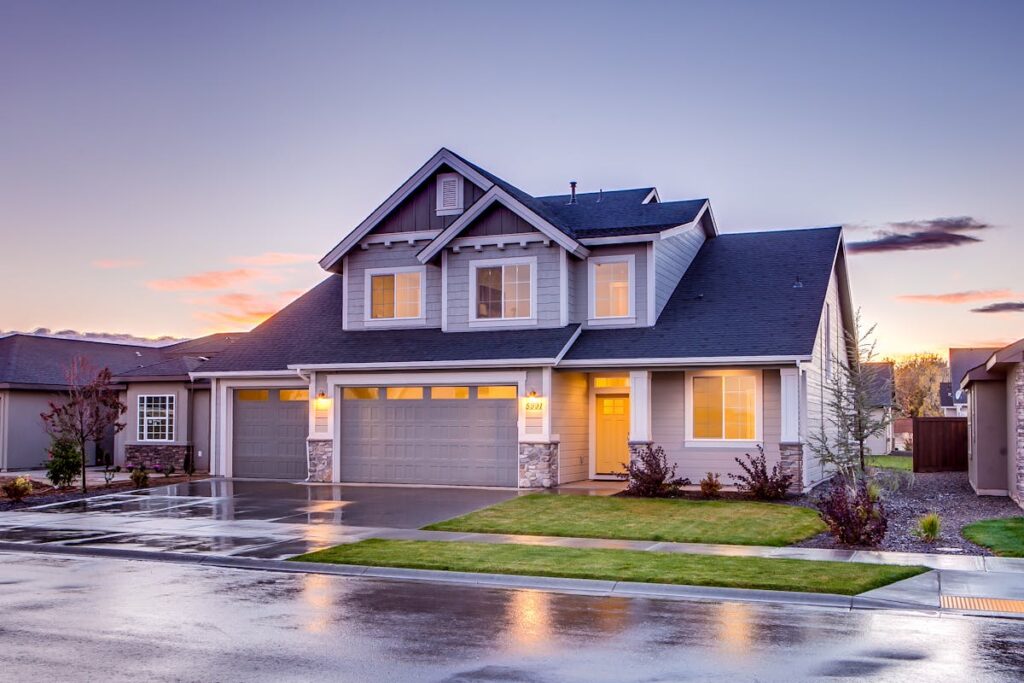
853, 514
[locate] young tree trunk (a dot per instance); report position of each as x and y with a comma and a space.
81, 446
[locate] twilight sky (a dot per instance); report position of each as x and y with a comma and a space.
176, 168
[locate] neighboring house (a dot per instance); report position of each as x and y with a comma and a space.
33, 373
995, 418
469, 333
882, 390
952, 398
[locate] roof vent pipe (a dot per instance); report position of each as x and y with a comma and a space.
798, 284
572, 191
600, 194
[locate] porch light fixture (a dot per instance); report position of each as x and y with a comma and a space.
532, 394
323, 402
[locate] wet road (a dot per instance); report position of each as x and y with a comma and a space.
69, 618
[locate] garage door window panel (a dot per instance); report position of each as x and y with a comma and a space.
449, 393
360, 394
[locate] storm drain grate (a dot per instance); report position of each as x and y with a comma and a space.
982, 604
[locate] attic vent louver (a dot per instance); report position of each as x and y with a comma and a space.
449, 194
797, 284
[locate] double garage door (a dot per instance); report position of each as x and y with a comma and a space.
445, 435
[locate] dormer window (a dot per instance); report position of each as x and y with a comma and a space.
449, 194
611, 289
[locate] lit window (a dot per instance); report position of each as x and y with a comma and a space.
156, 418
611, 288
395, 295
611, 382
503, 292
724, 407
449, 393
499, 392
404, 393
253, 394
361, 393
293, 395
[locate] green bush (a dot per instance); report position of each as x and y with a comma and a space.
64, 464
16, 489
140, 477
928, 527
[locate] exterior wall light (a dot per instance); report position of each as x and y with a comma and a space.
323, 402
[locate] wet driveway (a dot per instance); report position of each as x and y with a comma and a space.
245, 518
104, 619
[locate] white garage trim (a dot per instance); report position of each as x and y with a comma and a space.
221, 409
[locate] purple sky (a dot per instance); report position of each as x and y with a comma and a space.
177, 168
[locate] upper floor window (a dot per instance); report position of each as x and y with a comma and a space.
503, 289
611, 287
156, 418
449, 194
394, 294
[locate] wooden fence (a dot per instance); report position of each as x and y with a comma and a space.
940, 444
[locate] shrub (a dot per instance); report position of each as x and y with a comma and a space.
852, 514
928, 527
64, 463
109, 472
16, 489
711, 485
758, 481
169, 470
650, 475
140, 477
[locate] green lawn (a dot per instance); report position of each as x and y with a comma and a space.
1002, 536
843, 578
904, 463
686, 521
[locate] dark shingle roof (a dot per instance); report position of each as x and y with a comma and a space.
176, 367
34, 360
881, 383
964, 359
309, 331
736, 299
620, 212
203, 346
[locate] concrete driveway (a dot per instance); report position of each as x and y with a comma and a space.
239, 517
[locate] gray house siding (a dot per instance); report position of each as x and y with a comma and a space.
570, 421
419, 210
400, 254
668, 426
26, 442
580, 274
497, 220
672, 257
547, 305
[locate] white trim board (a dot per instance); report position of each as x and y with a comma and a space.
725, 361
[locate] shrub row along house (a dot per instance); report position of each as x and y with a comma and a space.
469, 333
993, 381
168, 418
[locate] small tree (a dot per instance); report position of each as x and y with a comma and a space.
92, 408
849, 419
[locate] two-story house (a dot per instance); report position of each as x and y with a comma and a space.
469, 333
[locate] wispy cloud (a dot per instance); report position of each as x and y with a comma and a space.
209, 280
111, 337
238, 310
957, 297
275, 258
934, 233
113, 264
1001, 307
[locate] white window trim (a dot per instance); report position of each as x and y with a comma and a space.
140, 418
758, 376
629, 318
460, 202
368, 275
493, 263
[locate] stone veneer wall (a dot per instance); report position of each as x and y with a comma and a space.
791, 460
538, 465
152, 455
320, 458
1015, 380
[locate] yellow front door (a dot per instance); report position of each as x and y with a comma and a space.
611, 433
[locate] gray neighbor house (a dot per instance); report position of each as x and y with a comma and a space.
168, 413
468, 333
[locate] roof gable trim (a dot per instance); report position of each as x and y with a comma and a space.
443, 158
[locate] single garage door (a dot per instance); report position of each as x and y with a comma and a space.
269, 433
464, 435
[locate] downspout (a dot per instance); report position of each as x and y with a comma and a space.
190, 449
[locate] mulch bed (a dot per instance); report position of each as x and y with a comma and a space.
43, 492
947, 493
